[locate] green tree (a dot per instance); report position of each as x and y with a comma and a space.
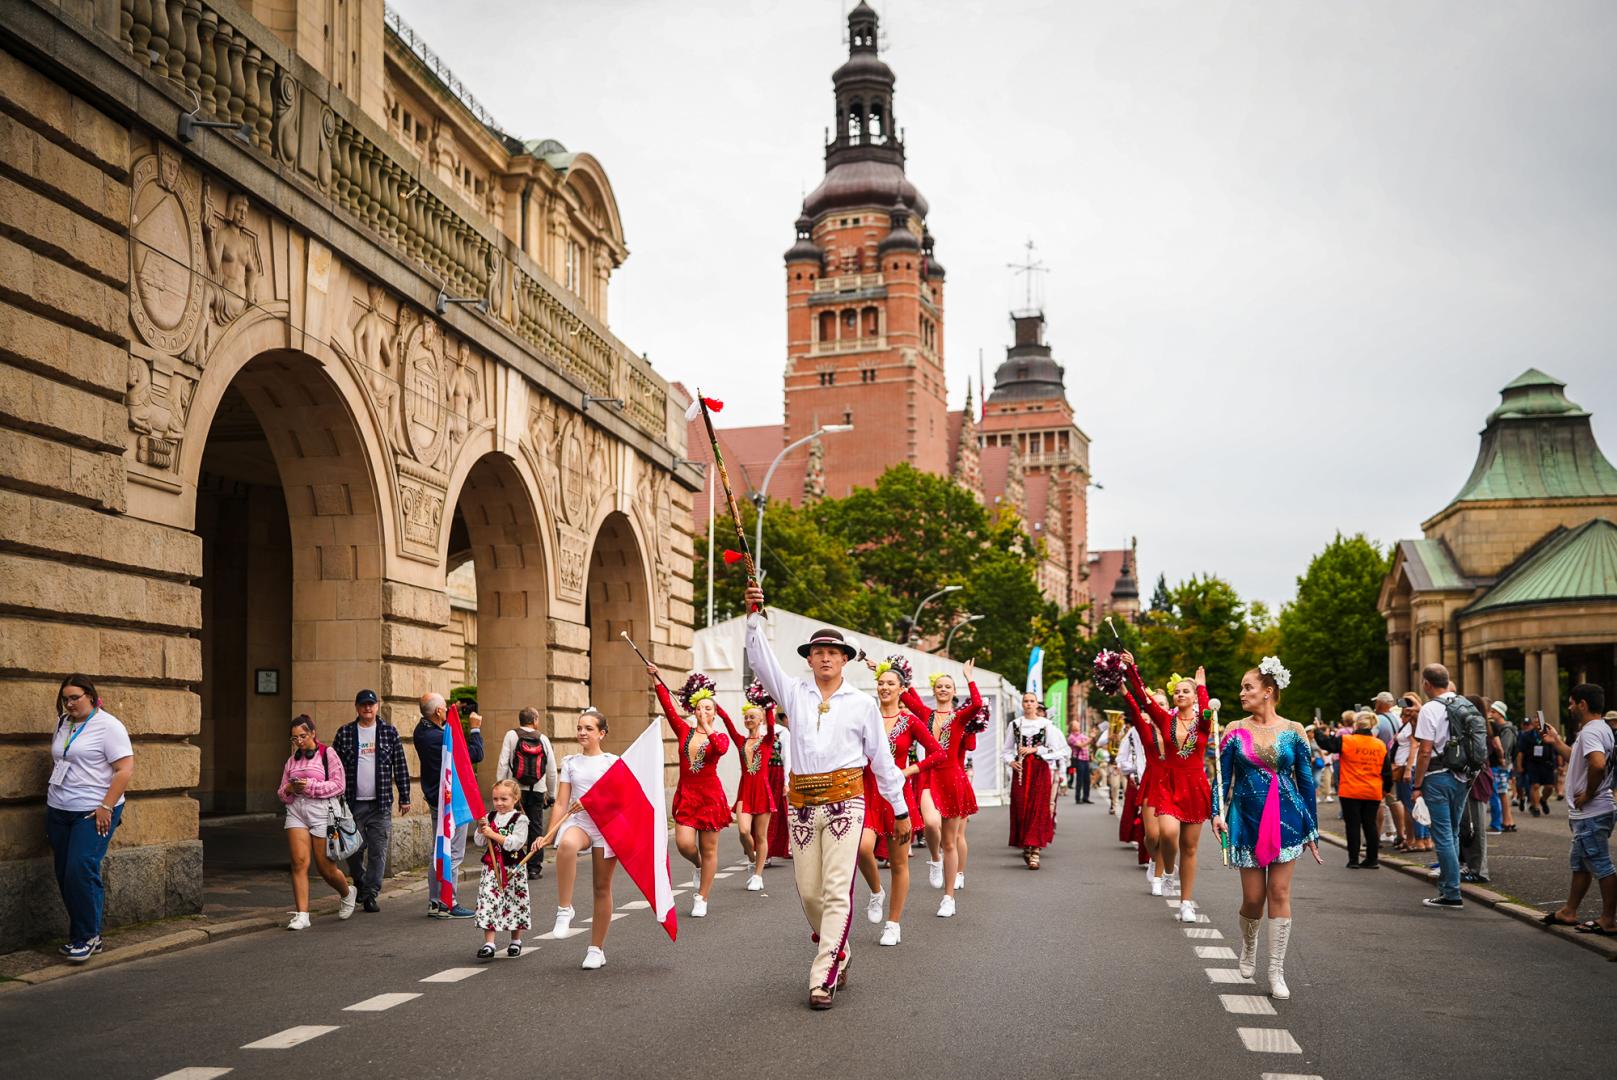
1206, 624
1161, 599
805, 570
1332, 636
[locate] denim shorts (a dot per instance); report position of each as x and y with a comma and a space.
1591, 845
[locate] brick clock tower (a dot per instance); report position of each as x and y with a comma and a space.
864, 295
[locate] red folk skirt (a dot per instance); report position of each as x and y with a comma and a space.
1131, 812
1182, 790
754, 794
699, 803
1032, 817
779, 846
879, 817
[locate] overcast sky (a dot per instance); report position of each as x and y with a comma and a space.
1296, 248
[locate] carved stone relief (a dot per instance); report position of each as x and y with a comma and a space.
235, 265
572, 563
165, 253
285, 130
654, 503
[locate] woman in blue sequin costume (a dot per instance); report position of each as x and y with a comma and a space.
1264, 811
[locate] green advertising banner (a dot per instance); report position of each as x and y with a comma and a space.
1055, 703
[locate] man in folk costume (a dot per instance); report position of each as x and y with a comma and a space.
835, 731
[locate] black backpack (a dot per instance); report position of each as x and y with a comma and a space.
528, 759
1466, 752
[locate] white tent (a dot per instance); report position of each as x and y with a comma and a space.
719, 651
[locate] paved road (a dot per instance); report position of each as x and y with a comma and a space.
1072, 971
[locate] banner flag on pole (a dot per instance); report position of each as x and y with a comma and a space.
459, 803
1055, 703
1035, 672
628, 805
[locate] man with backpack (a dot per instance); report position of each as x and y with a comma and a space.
527, 759
1452, 740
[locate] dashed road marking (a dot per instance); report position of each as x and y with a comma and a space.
1269, 1040
380, 1003
195, 1072
571, 931
1228, 977
1247, 1004
1203, 934
721, 877
635, 905
452, 975
1215, 952
1291, 1076
616, 915
678, 892
293, 1036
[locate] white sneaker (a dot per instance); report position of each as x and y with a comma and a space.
946, 908
1187, 911
934, 873
593, 958
873, 910
699, 908
345, 909
300, 921
755, 883
960, 881
564, 921
890, 934
1156, 885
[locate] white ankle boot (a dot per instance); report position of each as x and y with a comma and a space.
1279, 936
1249, 945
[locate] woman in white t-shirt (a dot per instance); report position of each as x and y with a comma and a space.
92, 763
575, 832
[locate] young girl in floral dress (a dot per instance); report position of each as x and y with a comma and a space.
502, 894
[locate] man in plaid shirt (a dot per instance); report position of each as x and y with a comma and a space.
373, 761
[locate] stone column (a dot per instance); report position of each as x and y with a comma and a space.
1493, 677
1530, 668
1549, 686
1471, 683
1398, 663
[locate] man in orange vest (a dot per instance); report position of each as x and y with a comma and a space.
1366, 774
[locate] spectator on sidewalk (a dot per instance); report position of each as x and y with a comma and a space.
1366, 774
1474, 830
1386, 711
1502, 810
429, 749
92, 763
527, 759
1078, 746
1324, 771
374, 764
1537, 760
1591, 811
1415, 836
1104, 771
1445, 793
311, 782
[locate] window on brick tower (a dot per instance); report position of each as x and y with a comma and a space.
872, 319
877, 128
847, 416
856, 125
850, 323
1037, 444
828, 326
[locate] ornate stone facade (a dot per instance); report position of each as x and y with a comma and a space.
267, 382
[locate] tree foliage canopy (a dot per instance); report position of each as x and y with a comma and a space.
1332, 636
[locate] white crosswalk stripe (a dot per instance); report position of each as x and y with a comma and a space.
1215, 952
1247, 1004
1228, 976
1269, 1040
1203, 934
452, 975
1291, 1076
571, 931
380, 1003
292, 1036
194, 1072
635, 905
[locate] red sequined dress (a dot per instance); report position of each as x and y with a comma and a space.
906, 730
951, 788
699, 801
754, 795
1181, 789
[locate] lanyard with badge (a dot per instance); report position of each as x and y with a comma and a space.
59, 772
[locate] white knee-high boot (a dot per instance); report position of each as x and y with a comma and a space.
1279, 936
1249, 945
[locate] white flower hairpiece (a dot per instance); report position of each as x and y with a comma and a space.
1273, 668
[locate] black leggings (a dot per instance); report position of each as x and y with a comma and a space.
1080, 781
1361, 814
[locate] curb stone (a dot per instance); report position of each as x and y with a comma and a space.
1605, 946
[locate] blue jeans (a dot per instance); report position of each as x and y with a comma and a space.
79, 850
1591, 845
1496, 803
1446, 798
1406, 795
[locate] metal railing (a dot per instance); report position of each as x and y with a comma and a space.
440, 70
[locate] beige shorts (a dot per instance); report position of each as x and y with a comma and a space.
311, 814
583, 824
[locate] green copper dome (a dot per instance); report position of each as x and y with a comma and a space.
1538, 445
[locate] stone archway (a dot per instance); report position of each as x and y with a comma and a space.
287, 509
617, 600
497, 529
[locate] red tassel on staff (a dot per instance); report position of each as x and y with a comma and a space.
732, 557
707, 407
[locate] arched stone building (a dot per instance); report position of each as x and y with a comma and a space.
1514, 586
268, 381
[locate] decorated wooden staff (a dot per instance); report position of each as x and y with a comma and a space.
1218, 780
555, 827
624, 634
742, 553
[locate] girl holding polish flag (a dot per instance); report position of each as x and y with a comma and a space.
1265, 805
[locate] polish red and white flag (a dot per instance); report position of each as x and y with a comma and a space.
629, 806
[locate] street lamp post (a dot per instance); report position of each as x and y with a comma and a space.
916, 618
760, 498
949, 640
